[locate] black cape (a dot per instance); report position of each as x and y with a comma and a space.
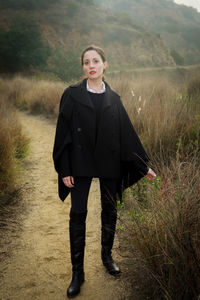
128, 157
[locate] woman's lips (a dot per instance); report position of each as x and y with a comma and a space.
92, 72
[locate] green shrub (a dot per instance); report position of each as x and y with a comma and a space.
72, 8
65, 65
179, 60
25, 5
22, 46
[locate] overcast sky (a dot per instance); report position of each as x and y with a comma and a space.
194, 3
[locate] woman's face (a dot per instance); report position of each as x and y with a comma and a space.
93, 65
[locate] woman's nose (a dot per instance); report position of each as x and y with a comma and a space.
91, 65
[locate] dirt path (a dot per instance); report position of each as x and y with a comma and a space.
39, 266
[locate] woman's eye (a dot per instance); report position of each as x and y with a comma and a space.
96, 61
86, 63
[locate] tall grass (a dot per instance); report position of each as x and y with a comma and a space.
37, 97
163, 223
162, 219
162, 216
13, 147
164, 115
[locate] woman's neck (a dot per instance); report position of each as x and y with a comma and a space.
95, 84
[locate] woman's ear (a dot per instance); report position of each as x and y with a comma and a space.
105, 65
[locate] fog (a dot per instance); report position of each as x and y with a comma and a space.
193, 3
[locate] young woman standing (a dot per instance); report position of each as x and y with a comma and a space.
95, 138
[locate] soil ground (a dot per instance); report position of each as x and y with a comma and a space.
35, 252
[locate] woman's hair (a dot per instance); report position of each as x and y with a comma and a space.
95, 48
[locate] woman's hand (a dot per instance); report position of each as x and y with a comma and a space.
150, 175
68, 181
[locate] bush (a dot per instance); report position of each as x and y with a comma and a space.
124, 18
87, 2
72, 8
179, 60
26, 5
163, 224
13, 147
22, 46
65, 65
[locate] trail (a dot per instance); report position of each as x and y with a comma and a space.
39, 265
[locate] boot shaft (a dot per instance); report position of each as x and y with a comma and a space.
77, 229
108, 226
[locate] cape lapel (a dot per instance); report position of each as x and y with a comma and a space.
80, 94
108, 96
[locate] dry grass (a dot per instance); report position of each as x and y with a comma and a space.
163, 217
163, 113
165, 117
34, 96
37, 97
13, 147
163, 223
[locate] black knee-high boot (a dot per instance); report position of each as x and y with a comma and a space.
77, 229
108, 219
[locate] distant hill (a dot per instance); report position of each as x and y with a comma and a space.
178, 25
67, 26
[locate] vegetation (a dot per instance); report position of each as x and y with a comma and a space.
179, 60
158, 221
178, 25
193, 89
37, 97
13, 146
65, 65
49, 37
42, 35
162, 114
24, 4
161, 221
22, 46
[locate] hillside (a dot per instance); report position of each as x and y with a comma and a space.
66, 27
178, 25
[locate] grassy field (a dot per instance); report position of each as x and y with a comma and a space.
13, 147
35, 96
160, 220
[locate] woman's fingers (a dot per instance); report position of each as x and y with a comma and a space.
68, 181
151, 174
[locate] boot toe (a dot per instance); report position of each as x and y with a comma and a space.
74, 287
112, 268
72, 292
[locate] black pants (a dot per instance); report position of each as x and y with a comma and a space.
80, 191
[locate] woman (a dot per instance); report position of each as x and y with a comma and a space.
95, 138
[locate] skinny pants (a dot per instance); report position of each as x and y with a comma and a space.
80, 191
